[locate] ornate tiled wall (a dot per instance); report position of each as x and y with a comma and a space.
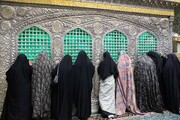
59, 20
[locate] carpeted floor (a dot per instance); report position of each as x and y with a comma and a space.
129, 116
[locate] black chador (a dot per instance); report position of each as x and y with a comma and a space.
17, 105
107, 67
62, 92
108, 72
83, 73
54, 94
158, 61
171, 75
64, 104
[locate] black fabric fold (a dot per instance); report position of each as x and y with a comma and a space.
83, 72
158, 61
65, 89
17, 105
171, 75
107, 67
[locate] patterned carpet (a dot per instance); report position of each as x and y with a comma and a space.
129, 116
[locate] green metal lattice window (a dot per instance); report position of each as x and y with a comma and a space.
77, 40
32, 41
114, 42
146, 42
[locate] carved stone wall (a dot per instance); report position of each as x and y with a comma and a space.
58, 21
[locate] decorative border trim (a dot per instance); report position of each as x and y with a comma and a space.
177, 54
177, 39
104, 6
178, 1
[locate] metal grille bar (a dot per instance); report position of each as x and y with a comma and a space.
32, 41
146, 42
114, 42
77, 40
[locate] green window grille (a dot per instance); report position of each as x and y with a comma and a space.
146, 42
114, 42
77, 40
32, 41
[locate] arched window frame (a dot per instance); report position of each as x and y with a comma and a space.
43, 29
137, 42
116, 54
92, 45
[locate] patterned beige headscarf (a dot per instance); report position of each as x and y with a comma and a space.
41, 79
125, 88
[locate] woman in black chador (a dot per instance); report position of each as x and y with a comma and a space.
158, 61
83, 73
108, 72
171, 75
64, 94
17, 105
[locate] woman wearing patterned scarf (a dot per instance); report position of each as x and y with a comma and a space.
148, 94
125, 88
41, 80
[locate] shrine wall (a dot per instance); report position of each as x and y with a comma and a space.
57, 21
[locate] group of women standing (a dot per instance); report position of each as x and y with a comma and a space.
157, 82
117, 90
74, 86
151, 87
33, 93
41, 92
